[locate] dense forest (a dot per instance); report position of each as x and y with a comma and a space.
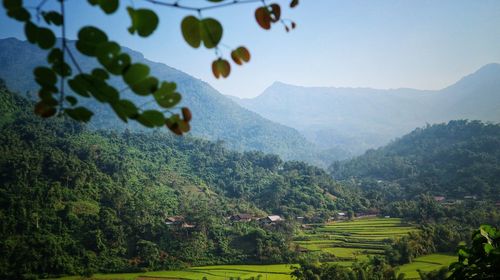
76, 201
457, 160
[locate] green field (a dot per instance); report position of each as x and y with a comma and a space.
269, 272
353, 240
426, 263
346, 241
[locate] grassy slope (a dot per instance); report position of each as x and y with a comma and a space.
426, 263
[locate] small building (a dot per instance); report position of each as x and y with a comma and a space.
341, 216
174, 220
271, 219
497, 204
470, 197
439, 198
241, 218
178, 221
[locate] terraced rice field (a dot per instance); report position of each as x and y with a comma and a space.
346, 241
219, 272
351, 240
426, 263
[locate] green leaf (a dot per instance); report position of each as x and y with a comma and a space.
79, 113
88, 39
100, 74
135, 73
151, 118
45, 76
488, 247
125, 109
12, 4
144, 21
31, 32
191, 31
80, 85
20, 14
118, 65
62, 69
108, 6
53, 17
106, 53
55, 55
46, 38
128, 108
210, 32
71, 100
104, 92
146, 86
166, 96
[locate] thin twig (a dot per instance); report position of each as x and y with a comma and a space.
63, 31
191, 8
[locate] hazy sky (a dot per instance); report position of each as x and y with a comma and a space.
425, 44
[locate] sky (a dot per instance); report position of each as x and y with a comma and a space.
423, 44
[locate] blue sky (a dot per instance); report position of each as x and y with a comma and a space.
425, 44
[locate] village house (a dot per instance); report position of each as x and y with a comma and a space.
174, 220
271, 219
241, 218
341, 216
178, 221
439, 198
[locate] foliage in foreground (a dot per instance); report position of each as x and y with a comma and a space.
480, 260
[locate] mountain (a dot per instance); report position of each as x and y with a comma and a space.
456, 159
356, 119
215, 117
79, 201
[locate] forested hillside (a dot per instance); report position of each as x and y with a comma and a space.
215, 117
75, 201
457, 159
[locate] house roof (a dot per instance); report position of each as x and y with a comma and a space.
243, 216
274, 218
175, 219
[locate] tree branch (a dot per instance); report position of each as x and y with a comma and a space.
198, 9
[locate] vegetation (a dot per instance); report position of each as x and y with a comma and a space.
480, 260
372, 269
425, 265
454, 160
74, 201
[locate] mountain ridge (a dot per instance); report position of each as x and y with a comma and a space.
215, 117
368, 117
